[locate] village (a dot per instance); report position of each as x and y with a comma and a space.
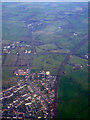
24, 48
16, 48
36, 96
44, 60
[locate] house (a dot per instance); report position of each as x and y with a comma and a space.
47, 72
75, 34
21, 72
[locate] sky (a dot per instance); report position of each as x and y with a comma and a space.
45, 0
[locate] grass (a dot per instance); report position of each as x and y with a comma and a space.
82, 78
8, 79
46, 47
68, 88
10, 59
13, 29
80, 61
83, 114
60, 51
74, 85
73, 94
83, 49
76, 60
70, 108
48, 62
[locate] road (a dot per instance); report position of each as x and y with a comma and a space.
29, 82
64, 63
30, 66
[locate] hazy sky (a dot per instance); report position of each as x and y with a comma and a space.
45, 0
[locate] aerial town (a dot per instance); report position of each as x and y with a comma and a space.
30, 97
44, 60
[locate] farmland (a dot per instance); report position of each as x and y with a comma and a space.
46, 37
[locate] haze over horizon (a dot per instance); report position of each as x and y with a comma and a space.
45, 0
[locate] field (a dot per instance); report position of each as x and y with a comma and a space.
73, 95
9, 79
49, 62
73, 90
39, 36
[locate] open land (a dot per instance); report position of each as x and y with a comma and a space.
45, 60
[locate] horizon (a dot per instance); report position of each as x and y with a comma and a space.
45, 1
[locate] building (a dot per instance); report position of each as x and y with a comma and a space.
21, 72
47, 72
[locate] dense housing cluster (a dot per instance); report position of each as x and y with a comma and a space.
37, 37
32, 97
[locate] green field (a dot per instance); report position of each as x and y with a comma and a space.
10, 60
9, 79
51, 30
48, 62
46, 47
73, 95
75, 60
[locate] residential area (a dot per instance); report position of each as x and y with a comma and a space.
30, 97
